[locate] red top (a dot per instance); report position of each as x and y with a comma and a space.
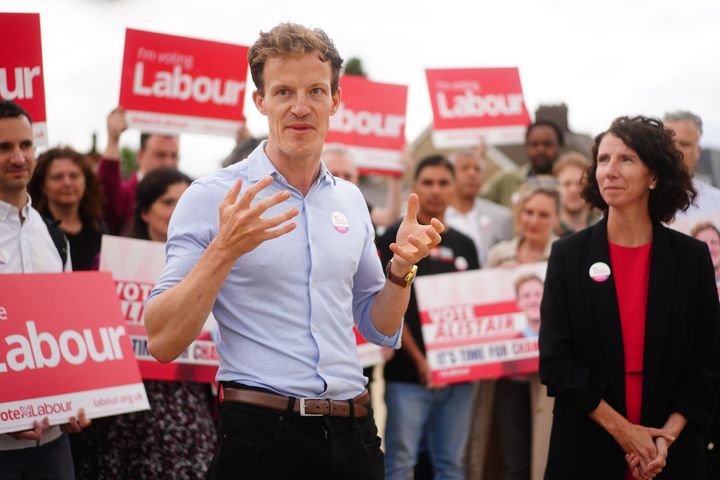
631, 267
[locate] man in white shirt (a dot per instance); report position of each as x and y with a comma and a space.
485, 222
688, 129
27, 247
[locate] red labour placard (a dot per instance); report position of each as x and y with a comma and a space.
64, 346
371, 124
471, 104
174, 84
21, 68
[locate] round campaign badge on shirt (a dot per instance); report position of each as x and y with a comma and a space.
340, 222
599, 271
461, 264
3, 258
485, 221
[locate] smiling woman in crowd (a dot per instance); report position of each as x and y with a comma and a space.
65, 189
628, 340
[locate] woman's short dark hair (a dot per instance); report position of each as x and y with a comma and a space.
153, 186
653, 143
91, 203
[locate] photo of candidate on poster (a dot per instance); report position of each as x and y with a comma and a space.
481, 324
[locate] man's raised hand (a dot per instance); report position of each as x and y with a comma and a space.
414, 241
242, 227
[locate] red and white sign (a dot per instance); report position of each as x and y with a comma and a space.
136, 266
176, 84
471, 104
369, 353
481, 323
21, 68
371, 124
64, 346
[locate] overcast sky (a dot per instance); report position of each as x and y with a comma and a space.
603, 59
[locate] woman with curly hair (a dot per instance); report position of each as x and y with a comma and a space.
65, 189
628, 339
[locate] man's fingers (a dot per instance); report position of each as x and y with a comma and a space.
433, 234
232, 194
263, 205
280, 231
403, 253
249, 195
276, 220
437, 225
412, 208
421, 246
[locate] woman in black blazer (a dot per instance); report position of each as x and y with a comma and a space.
638, 180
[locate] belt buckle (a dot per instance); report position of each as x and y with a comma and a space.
304, 413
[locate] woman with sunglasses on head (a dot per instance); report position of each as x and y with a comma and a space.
516, 410
629, 339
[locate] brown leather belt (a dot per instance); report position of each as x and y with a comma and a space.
306, 407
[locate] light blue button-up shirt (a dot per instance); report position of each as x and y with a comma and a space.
287, 308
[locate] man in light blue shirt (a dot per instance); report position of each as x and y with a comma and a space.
286, 267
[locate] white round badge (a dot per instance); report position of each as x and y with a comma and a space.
461, 264
599, 271
485, 221
340, 222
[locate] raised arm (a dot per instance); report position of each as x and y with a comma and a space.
174, 318
412, 244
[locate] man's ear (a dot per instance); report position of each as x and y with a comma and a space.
335, 102
259, 100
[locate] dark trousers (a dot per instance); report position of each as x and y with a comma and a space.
261, 443
52, 461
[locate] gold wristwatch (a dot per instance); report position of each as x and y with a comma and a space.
405, 281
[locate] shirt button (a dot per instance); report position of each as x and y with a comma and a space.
315, 328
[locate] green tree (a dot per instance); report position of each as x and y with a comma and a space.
128, 161
354, 66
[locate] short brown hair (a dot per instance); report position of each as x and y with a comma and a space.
292, 40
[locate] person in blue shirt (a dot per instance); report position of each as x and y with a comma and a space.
286, 266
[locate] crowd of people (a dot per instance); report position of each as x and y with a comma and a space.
630, 364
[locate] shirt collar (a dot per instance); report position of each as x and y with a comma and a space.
259, 165
6, 209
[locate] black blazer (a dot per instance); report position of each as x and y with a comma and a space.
581, 352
